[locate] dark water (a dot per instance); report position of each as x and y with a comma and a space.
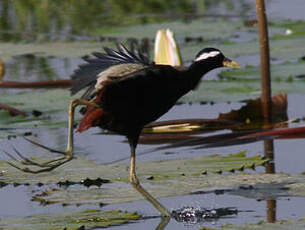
289, 154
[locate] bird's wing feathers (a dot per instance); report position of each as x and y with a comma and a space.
134, 100
113, 73
87, 74
146, 88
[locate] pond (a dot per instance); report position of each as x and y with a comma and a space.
46, 41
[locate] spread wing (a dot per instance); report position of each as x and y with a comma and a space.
98, 68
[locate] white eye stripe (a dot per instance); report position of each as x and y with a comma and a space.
207, 55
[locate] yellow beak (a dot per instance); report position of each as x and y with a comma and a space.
229, 63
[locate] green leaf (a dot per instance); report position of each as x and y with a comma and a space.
52, 103
282, 72
283, 49
207, 29
59, 49
80, 169
279, 225
70, 221
162, 178
165, 187
292, 29
228, 91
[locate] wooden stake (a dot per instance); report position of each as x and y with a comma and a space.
265, 59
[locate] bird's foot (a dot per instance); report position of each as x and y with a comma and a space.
38, 167
45, 147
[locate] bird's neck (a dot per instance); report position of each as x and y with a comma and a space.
195, 72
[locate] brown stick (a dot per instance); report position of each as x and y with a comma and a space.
12, 111
265, 59
36, 84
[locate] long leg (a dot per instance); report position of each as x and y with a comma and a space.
74, 103
136, 184
68, 154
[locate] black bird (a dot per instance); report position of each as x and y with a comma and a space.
125, 92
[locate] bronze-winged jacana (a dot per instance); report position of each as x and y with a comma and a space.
124, 93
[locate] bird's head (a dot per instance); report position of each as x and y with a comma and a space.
215, 58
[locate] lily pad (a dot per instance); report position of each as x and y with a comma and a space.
207, 29
42, 100
283, 49
71, 221
225, 91
280, 48
59, 49
53, 105
286, 72
80, 169
162, 179
120, 193
292, 29
279, 225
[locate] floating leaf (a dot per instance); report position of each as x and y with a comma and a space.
43, 100
279, 225
285, 71
285, 49
220, 29
80, 169
12, 111
224, 91
168, 178
59, 49
51, 104
86, 219
294, 29
120, 193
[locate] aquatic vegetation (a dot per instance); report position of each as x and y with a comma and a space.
86, 219
51, 56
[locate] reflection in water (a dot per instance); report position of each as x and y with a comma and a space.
270, 168
271, 211
269, 153
55, 19
30, 67
163, 223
